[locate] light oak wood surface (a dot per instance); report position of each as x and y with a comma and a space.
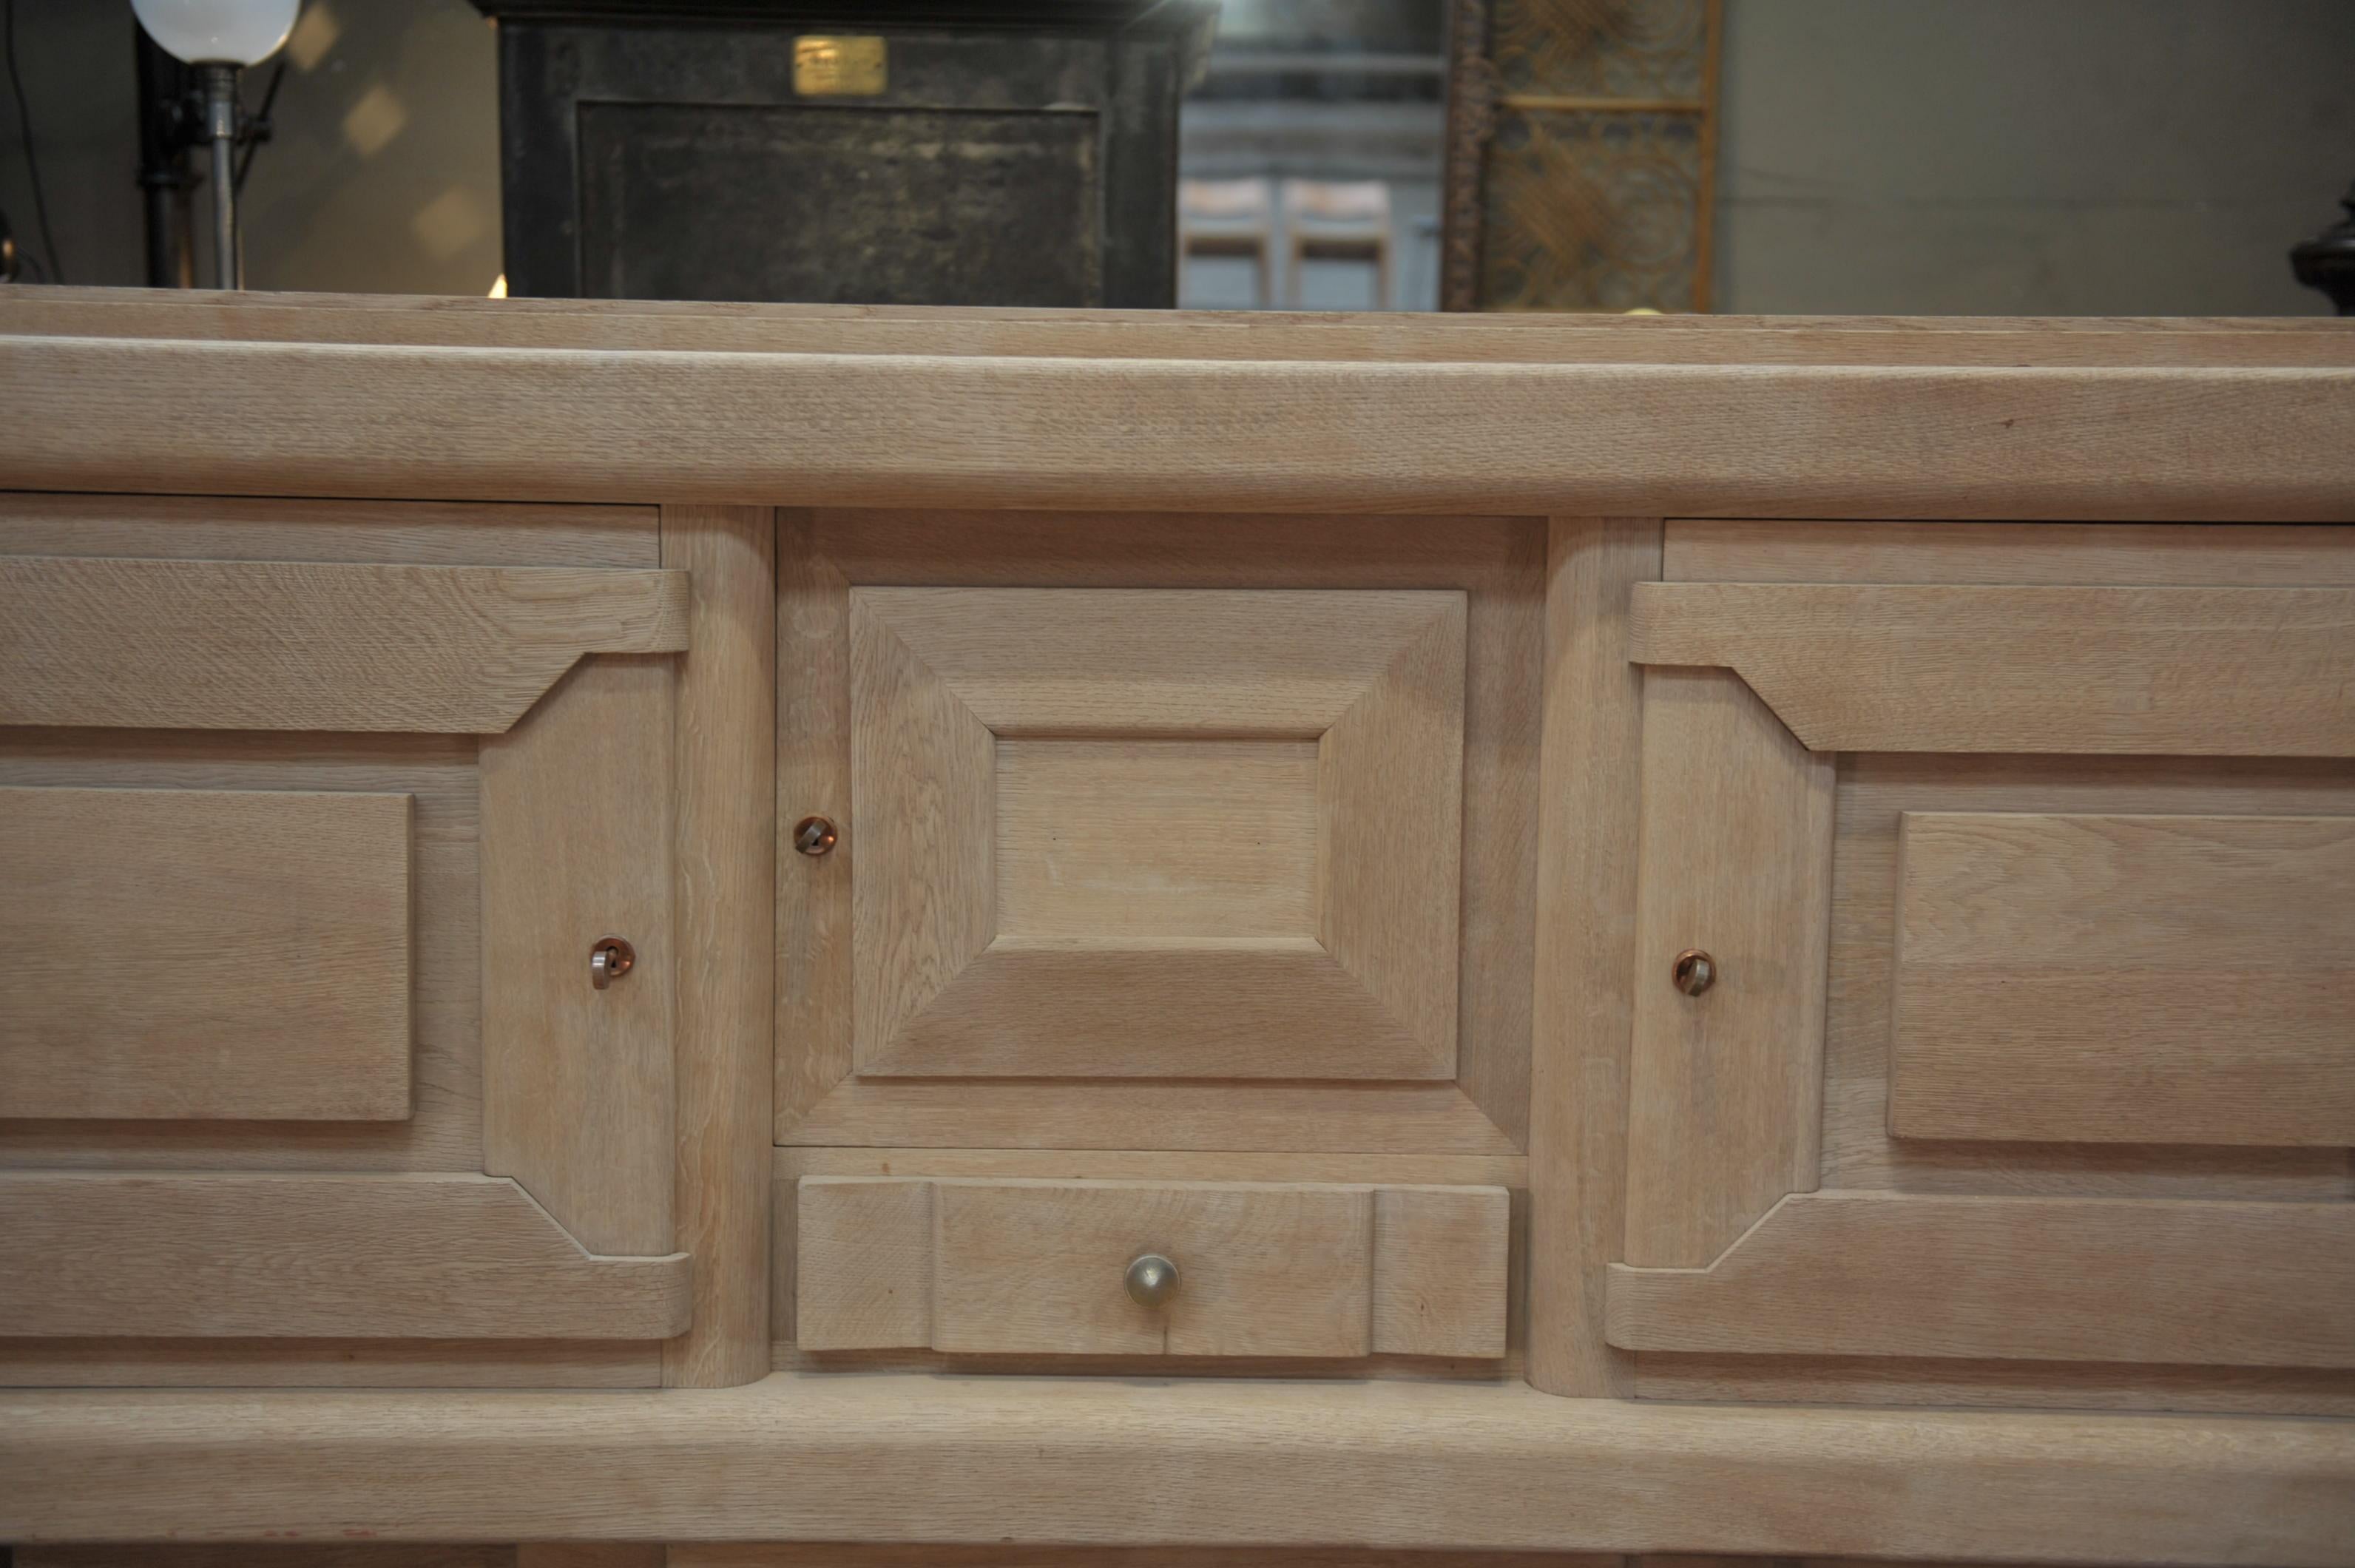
724, 905
412, 1255
219, 954
1570, 338
2088, 555
1875, 795
1497, 566
329, 1363
1956, 437
205, 645
1106, 1461
579, 1090
263, 527
2175, 1282
1724, 1088
1589, 853
2159, 671
970, 961
1014, 1266
2124, 979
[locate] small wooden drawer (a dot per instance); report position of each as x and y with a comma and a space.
1041, 1267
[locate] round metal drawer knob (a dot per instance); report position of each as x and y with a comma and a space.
813, 836
1695, 972
1152, 1280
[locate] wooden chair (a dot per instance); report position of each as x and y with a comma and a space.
1228, 217
1338, 220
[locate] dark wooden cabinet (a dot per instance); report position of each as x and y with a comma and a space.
889, 153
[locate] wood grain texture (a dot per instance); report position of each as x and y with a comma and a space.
579, 1084
945, 685
1724, 1088
203, 644
2124, 979
2016, 1385
415, 1255
2037, 668
591, 1554
923, 802
330, 1363
1439, 1271
602, 423
893, 1555
1433, 1465
1589, 852
1141, 840
724, 901
1015, 1266
815, 987
260, 528
1568, 338
1065, 662
1875, 793
1857, 1274
438, 773
205, 953
1269, 1270
2149, 555
864, 1268
1161, 1165
1498, 563
245, 1555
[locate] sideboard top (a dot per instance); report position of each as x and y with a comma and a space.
579, 400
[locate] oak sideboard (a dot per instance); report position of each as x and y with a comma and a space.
987, 936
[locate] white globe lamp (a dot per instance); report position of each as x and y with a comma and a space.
220, 37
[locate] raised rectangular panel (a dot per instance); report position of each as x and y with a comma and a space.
1008, 1266
1156, 833
2124, 979
204, 955
1232, 851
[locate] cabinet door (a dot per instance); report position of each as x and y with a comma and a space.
1184, 834
2023, 859
312, 818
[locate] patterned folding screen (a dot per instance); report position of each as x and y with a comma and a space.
1580, 154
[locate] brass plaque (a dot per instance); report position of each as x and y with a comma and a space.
838, 67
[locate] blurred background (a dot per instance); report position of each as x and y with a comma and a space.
1810, 156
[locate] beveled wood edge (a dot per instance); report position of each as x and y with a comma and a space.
480, 1244
999, 430
920, 1459
1702, 624
1736, 1304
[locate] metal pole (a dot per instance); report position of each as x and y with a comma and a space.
164, 178
220, 124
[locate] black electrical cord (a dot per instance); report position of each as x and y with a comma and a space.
259, 123
32, 165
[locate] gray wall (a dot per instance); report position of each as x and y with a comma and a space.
2060, 157
2031, 156
383, 175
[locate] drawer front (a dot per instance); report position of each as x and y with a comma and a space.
305, 1074
2023, 865
1044, 1268
1186, 834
